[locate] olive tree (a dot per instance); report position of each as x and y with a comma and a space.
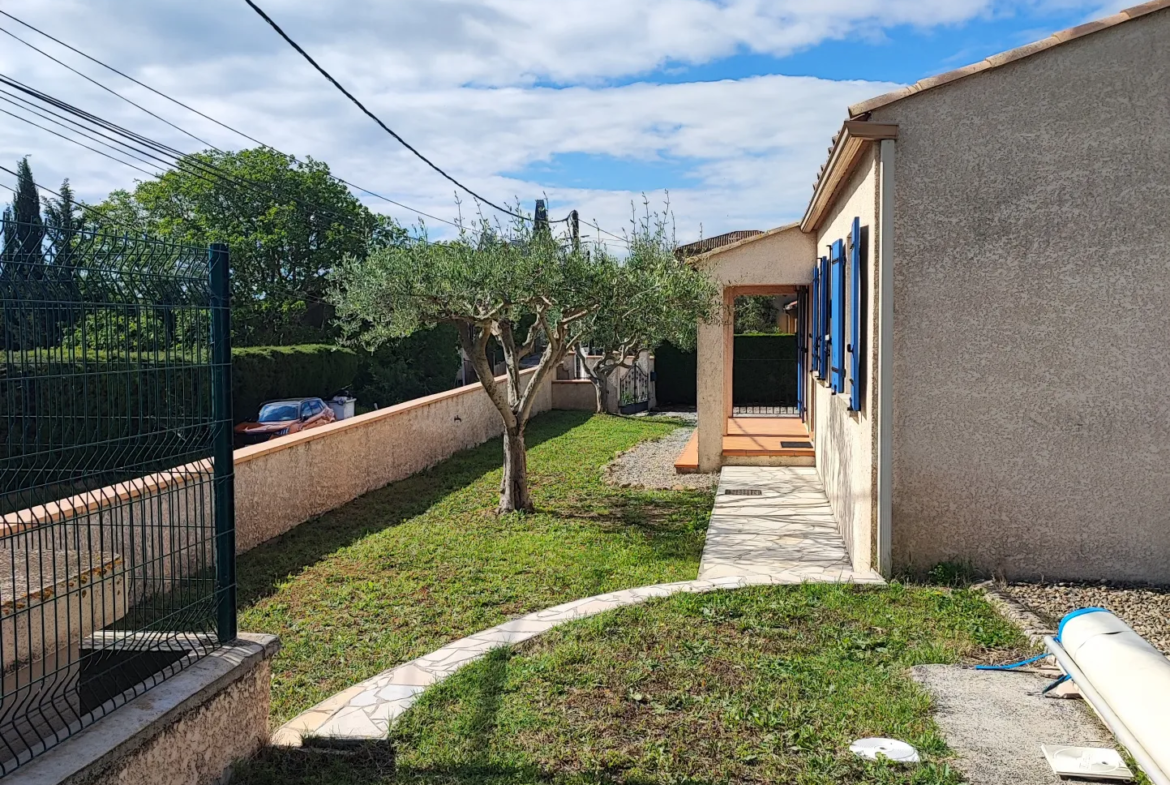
487, 282
653, 297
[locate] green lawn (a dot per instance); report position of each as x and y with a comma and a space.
425, 561
760, 685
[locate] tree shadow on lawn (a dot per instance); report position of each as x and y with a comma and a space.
376, 764
290, 766
263, 567
674, 523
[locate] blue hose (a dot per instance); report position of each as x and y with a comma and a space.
1060, 631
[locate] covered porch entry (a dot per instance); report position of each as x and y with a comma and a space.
756, 440
774, 263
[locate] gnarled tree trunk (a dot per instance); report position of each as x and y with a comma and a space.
514, 489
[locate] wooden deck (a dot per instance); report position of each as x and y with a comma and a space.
751, 441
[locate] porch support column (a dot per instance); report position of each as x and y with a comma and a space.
713, 392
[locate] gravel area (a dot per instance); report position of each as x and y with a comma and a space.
1145, 608
996, 721
651, 465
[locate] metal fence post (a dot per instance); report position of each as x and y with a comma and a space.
221, 405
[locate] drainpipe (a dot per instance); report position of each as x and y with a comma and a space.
885, 496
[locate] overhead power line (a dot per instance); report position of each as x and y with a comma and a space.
191, 109
245, 135
374, 117
160, 153
82, 205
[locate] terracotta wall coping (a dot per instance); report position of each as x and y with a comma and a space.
84, 503
251, 453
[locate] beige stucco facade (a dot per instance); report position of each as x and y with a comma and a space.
1024, 213
1036, 443
845, 441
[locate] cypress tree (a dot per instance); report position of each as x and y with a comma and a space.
29, 229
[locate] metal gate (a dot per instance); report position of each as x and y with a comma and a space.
117, 550
634, 391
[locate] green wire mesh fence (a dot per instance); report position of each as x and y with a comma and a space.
116, 548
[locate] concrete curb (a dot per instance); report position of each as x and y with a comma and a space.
1016, 612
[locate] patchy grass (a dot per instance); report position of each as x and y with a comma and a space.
408, 568
761, 685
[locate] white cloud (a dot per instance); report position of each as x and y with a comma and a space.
456, 77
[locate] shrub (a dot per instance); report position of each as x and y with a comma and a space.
262, 373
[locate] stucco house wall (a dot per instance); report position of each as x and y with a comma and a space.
845, 441
1038, 444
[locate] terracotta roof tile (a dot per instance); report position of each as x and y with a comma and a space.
995, 61
1144, 8
711, 243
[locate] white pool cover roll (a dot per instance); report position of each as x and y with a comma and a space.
1127, 674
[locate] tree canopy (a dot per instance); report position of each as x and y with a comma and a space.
493, 278
653, 299
287, 223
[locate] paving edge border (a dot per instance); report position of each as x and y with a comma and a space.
1016, 612
363, 713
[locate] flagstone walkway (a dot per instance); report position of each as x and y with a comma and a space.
781, 534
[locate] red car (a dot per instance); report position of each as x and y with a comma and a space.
280, 418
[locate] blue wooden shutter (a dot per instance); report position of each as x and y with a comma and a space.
814, 336
826, 310
855, 317
837, 318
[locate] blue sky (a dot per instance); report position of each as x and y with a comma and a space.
728, 104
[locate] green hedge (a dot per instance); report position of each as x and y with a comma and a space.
263, 373
424, 363
76, 423
764, 373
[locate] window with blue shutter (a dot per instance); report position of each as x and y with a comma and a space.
855, 317
826, 310
837, 317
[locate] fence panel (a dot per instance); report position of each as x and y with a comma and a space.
114, 375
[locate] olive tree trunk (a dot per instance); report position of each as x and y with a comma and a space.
514, 488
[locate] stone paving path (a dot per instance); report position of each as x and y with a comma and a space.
787, 530
785, 535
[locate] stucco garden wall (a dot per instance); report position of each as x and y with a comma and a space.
574, 394
846, 441
283, 483
1032, 300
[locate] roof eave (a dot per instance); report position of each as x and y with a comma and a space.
854, 138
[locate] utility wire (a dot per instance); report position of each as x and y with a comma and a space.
82, 205
374, 117
80, 144
234, 130
191, 109
190, 164
109, 90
